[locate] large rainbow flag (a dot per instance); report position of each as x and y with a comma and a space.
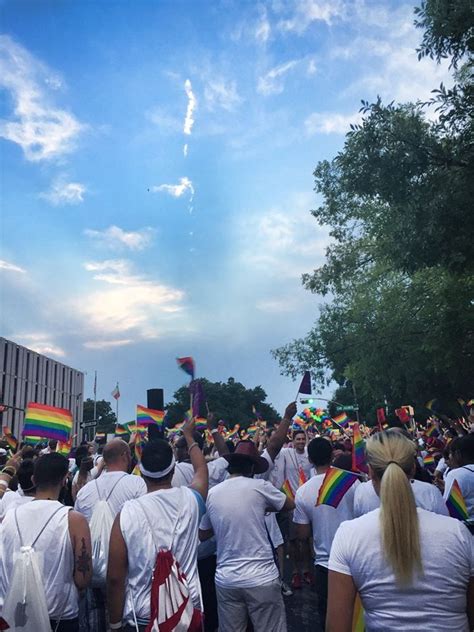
456, 504
149, 417
47, 422
335, 485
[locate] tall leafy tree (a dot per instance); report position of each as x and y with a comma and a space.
398, 321
106, 418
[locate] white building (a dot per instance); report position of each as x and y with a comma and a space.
27, 376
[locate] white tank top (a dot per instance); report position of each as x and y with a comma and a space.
54, 550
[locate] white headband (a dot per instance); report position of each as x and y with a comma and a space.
158, 474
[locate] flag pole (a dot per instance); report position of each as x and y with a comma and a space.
117, 400
95, 396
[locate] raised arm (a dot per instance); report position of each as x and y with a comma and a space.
219, 441
200, 480
278, 438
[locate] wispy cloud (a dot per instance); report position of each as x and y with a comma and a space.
42, 130
192, 102
176, 190
219, 93
115, 237
40, 342
263, 28
11, 267
63, 192
330, 122
164, 121
100, 345
308, 11
272, 82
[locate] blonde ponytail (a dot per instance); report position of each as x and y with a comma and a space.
392, 458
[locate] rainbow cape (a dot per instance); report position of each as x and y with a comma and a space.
455, 503
187, 364
358, 449
341, 420
47, 422
149, 417
335, 485
10, 438
287, 490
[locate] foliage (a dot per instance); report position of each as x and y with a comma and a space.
399, 274
106, 418
229, 401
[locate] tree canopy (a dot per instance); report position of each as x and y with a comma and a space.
230, 401
398, 317
106, 418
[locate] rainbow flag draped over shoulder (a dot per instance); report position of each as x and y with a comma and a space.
10, 438
358, 449
287, 489
335, 485
455, 503
187, 364
47, 422
149, 417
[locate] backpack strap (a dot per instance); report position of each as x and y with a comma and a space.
43, 527
115, 485
158, 545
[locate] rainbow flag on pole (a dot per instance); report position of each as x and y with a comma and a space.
456, 504
341, 420
429, 460
47, 422
10, 438
335, 485
149, 417
358, 449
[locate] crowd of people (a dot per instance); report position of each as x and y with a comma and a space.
210, 534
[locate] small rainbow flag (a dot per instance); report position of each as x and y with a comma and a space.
287, 490
47, 422
455, 503
335, 484
358, 449
64, 447
429, 460
10, 438
149, 417
121, 431
234, 433
342, 420
176, 429
251, 430
200, 423
187, 364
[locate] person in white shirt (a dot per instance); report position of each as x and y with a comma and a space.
14, 499
247, 577
322, 520
413, 569
464, 474
165, 514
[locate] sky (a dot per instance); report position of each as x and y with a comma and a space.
156, 176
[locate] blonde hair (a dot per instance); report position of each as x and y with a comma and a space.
392, 458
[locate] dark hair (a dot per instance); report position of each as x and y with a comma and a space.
319, 451
298, 431
230, 445
53, 444
343, 461
466, 447
81, 453
24, 473
50, 469
156, 456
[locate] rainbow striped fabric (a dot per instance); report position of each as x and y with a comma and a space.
456, 504
234, 433
149, 417
342, 420
428, 460
175, 430
10, 438
358, 448
200, 423
335, 485
287, 489
47, 422
121, 431
251, 430
64, 447
187, 364
301, 477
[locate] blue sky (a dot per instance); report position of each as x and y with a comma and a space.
156, 172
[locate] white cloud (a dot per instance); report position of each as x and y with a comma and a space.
127, 302
263, 28
42, 130
107, 344
176, 190
272, 82
312, 67
330, 122
185, 150
308, 11
41, 343
219, 93
115, 237
189, 120
11, 267
63, 192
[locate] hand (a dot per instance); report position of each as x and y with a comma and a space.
188, 427
290, 411
211, 421
87, 464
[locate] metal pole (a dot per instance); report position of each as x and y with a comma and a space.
95, 395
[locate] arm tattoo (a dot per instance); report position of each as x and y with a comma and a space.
83, 561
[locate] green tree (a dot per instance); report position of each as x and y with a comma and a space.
398, 276
230, 401
106, 418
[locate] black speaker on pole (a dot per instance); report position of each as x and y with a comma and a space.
155, 401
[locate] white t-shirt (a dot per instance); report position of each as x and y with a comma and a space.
175, 515
115, 487
324, 519
235, 511
435, 601
183, 475
12, 499
217, 470
287, 465
427, 496
465, 478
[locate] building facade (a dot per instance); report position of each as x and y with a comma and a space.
27, 376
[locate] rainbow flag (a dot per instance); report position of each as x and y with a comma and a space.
335, 485
176, 429
149, 417
455, 503
428, 460
301, 477
341, 420
10, 438
358, 449
251, 430
187, 364
287, 490
64, 447
234, 433
121, 431
200, 423
47, 422
299, 424
358, 621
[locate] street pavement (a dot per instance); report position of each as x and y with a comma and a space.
301, 611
